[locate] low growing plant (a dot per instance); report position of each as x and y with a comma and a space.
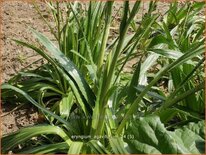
91, 105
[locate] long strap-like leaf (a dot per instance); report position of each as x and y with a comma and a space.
75, 147
187, 56
12, 140
69, 67
8, 86
60, 70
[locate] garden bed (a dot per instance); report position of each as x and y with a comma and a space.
81, 74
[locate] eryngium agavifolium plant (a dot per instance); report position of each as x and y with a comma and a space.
91, 104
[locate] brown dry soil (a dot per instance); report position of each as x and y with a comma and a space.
17, 16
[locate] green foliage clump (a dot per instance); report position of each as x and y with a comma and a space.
91, 105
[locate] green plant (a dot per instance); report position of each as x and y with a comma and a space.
180, 32
83, 91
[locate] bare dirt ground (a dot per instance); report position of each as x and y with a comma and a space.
17, 16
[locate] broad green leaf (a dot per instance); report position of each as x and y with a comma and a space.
150, 136
197, 128
190, 139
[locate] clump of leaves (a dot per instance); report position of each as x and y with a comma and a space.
82, 90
